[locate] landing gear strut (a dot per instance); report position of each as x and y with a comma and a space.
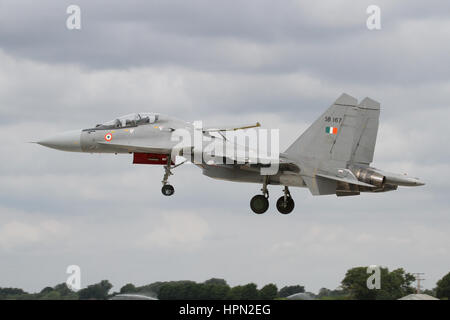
285, 204
167, 189
260, 203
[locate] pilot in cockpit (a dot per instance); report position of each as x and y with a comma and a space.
130, 120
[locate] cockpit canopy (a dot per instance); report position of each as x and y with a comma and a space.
129, 120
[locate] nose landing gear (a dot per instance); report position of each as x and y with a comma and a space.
167, 189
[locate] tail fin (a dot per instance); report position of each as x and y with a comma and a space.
364, 146
345, 133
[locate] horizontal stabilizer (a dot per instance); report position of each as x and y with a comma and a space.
319, 185
346, 180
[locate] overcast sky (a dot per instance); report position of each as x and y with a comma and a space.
277, 62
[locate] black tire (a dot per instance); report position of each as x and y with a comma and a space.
167, 190
285, 207
259, 204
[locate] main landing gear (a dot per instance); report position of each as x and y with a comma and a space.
285, 204
260, 203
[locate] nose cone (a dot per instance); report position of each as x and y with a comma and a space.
66, 141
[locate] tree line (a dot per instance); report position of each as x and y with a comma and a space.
394, 285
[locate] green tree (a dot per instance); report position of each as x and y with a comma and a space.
128, 288
268, 292
250, 292
214, 290
151, 289
65, 292
165, 292
235, 293
394, 284
98, 291
10, 293
430, 292
443, 287
337, 294
192, 291
355, 281
290, 290
58, 292
52, 295
46, 290
324, 292
216, 281
175, 290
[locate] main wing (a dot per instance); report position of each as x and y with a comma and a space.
231, 128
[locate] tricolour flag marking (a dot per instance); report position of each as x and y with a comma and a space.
331, 130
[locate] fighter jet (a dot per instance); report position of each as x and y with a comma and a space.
332, 156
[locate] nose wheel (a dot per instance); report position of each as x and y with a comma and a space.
285, 204
167, 190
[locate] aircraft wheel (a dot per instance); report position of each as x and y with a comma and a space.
167, 190
285, 207
259, 204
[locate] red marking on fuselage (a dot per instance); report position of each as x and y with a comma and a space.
150, 158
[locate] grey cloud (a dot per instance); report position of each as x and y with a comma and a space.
328, 40
80, 98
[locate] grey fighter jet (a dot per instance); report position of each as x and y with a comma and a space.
332, 156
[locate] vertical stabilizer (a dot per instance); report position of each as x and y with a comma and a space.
343, 135
364, 146
331, 135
